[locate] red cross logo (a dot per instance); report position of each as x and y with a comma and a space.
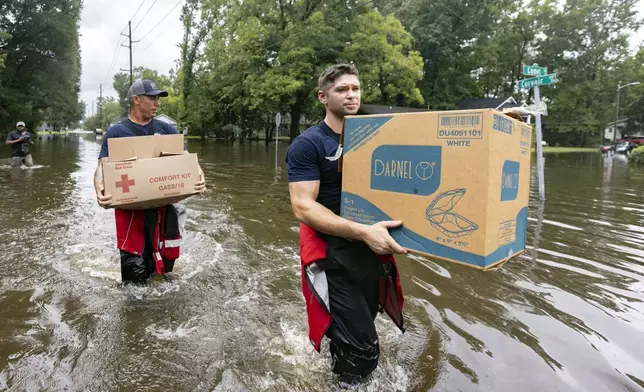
125, 183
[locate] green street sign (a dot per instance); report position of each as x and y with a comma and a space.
538, 81
534, 70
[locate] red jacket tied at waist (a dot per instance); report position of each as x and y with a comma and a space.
130, 234
313, 249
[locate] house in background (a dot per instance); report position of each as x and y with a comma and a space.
466, 104
45, 126
167, 119
488, 103
384, 109
621, 124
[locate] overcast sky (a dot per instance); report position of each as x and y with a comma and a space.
103, 20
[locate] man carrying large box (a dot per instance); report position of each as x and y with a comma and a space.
348, 273
148, 239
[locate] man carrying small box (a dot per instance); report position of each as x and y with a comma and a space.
148, 239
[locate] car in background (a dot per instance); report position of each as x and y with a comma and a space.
625, 147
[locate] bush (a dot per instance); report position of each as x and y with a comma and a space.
637, 156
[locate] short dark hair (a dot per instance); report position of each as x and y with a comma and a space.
331, 74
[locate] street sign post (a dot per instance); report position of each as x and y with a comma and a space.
534, 70
278, 121
540, 160
538, 81
541, 78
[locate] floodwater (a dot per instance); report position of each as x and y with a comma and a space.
566, 316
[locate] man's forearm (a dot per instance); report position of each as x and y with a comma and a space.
98, 176
324, 220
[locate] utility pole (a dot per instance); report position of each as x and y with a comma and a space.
619, 87
92, 108
100, 107
129, 36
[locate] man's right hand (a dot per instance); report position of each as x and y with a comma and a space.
104, 200
377, 237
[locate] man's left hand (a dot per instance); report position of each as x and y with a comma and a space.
200, 186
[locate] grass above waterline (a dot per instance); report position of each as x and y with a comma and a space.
549, 149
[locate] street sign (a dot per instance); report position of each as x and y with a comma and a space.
534, 70
540, 108
538, 81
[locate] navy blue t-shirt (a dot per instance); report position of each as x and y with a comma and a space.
306, 160
19, 149
121, 130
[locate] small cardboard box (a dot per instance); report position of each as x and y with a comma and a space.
149, 171
459, 181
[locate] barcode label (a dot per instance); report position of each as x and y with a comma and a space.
461, 121
467, 126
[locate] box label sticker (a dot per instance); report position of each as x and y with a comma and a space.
526, 137
507, 233
358, 131
459, 129
414, 170
502, 124
510, 180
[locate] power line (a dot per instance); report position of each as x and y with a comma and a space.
164, 18
114, 57
146, 14
137, 10
152, 41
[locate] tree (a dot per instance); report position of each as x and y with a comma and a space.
586, 42
40, 75
453, 37
243, 61
389, 68
168, 106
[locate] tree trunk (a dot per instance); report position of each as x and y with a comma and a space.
268, 131
296, 111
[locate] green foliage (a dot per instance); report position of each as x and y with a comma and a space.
637, 156
243, 61
40, 62
167, 106
263, 57
389, 67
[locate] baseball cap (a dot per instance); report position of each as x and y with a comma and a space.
145, 87
20, 123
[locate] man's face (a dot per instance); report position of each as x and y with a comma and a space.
147, 105
343, 97
21, 128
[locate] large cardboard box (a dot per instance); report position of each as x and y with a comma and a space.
459, 181
149, 171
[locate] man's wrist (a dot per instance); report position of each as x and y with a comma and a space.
359, 231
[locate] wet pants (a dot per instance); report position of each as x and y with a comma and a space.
135, 268
18, 161
353, 272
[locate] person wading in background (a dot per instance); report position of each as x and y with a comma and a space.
20, 142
